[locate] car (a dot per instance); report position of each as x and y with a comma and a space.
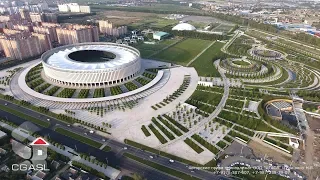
85, 133
68, 125
48, 119
125, 148
103, 140
151, 157
6, 104
170, 160
242, 163
91, 131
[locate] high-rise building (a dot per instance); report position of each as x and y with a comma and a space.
12, 33
63, 8
12, 17
27, 27
85, 9
51, 31
50, 17
24, 14
77, 34
74, 7
45, 41
109, 28
21, 48
37, 17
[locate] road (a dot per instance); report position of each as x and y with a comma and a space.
114, 157
265, 165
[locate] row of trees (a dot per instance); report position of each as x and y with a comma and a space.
83, 93
115, 90
98, 93
130, 86
66, 93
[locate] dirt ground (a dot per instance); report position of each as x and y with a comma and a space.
125, 18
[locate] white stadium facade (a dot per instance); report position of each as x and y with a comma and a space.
91, 64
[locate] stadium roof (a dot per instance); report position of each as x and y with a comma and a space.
184, 27
161, 33
60, 59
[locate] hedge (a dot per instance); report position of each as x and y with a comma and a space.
193, 145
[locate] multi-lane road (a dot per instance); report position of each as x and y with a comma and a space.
113, 157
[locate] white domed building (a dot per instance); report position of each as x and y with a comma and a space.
184, 27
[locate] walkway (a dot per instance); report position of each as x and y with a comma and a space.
213, 115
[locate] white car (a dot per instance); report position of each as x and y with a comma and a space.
125, 148
170, 160
151, 157
6, 104
48, 119
91, 131
103, 140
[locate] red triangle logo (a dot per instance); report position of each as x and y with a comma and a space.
39, 141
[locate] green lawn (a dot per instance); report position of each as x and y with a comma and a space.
183, 52
159, 167
204, 63
25, 116
241, 63
148, 49
80, 138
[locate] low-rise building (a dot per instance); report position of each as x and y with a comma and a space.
160, 35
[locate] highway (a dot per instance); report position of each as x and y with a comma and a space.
114, 157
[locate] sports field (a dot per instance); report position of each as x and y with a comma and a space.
204, 63
148, 49
182, 52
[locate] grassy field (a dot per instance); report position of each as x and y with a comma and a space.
159, 167
183, 52
148, 49
80, 138
153, 22
204, 63
241, 63
25, 116
223, 28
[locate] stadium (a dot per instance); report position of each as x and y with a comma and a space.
88, 65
